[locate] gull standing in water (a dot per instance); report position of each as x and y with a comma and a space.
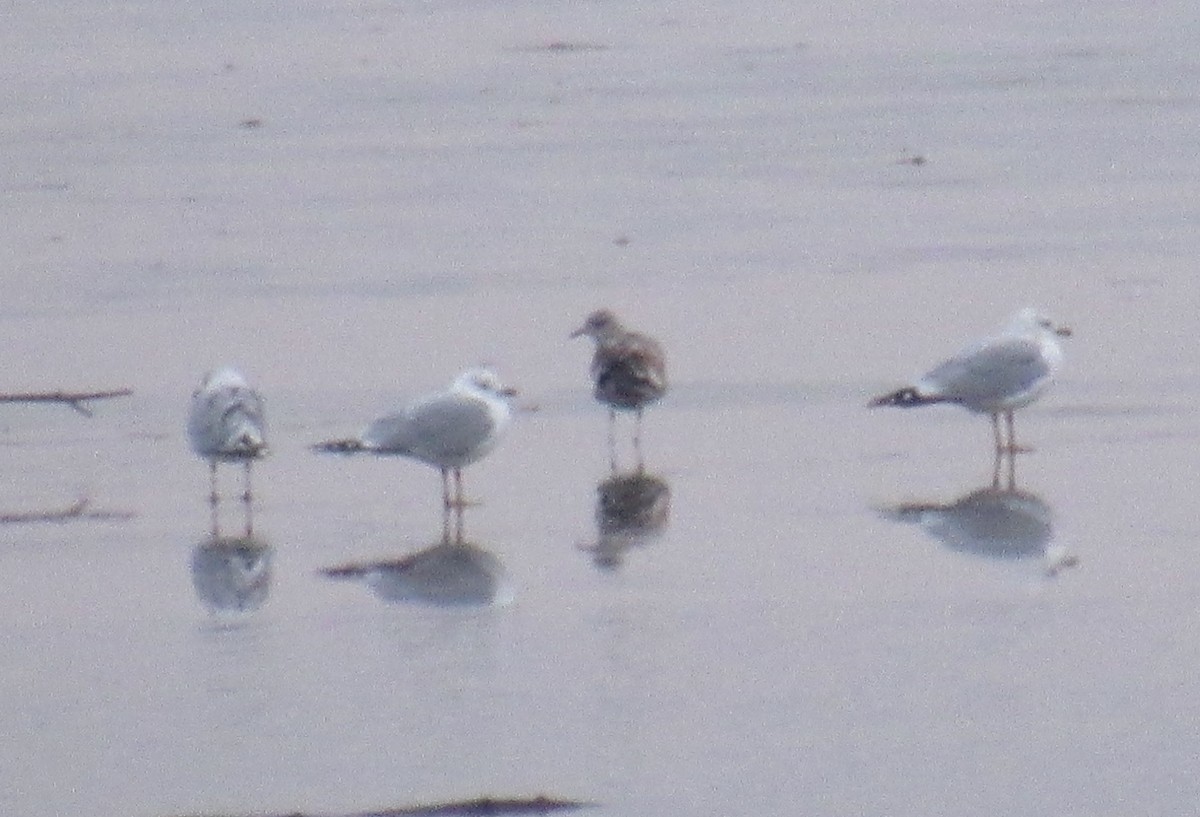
449, 430
226, 424
629, 369
996, 376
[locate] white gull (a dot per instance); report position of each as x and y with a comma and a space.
448, 430
226, 424
996, 376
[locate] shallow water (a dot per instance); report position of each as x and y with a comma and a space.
353, 203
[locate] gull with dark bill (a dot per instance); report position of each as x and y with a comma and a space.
629, 369
449, 430
996, 376
226, 424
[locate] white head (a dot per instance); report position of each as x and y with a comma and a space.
1030, 321
483, 382
225, 377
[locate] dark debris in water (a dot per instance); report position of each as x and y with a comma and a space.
479, 807
563, 47
77, 400
80, 509
486, 806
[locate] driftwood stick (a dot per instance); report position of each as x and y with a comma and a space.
77, 510
481, 807
74, 399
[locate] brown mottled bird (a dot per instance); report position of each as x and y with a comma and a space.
629, 370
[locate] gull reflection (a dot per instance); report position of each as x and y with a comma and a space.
631, 509
232, 573
451, 573
996, 522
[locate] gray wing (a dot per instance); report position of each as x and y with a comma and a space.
999, 370
447, 430
227, 422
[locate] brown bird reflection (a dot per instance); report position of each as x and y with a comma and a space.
631, 509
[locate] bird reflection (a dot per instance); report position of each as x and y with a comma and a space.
453, 572
631, 508
232, 573
1000, 521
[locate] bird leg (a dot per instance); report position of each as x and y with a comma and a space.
213, 496
1013, 448
1003, 456
637, 441
446, 503
247, 495
248, 526
996, 435
458, 527
446, 524
458, 501
612, 440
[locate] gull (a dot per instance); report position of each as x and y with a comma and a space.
629, 370
996, 376
449, 430
226, 424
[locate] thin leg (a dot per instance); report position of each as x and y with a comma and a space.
446, 488
459, 502
446, 524
637, 441
1012, 434
996, 461
246, 492
458, 526
1012, 473
999, 441
213, 496
248, 509
612, 440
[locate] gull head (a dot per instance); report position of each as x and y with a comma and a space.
483, 382
599, 324
1029, 319
225, 377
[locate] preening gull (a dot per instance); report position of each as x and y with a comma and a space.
996, 376
226, 424
629, 370
449, 430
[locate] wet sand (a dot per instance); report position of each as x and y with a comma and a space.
353, 204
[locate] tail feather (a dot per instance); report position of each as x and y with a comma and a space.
250, 443
907, 397
350, 445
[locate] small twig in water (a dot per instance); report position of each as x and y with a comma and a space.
479, 807
77, 510
76, 400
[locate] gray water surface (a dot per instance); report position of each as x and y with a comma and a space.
354, 202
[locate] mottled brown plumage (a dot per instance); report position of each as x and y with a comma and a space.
629, 370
